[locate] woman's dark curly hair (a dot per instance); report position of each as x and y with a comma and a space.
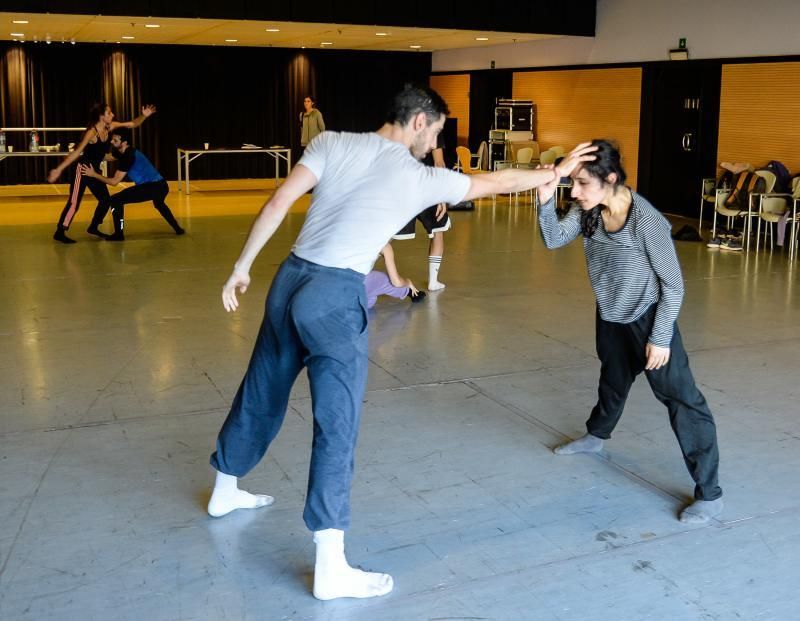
607, 161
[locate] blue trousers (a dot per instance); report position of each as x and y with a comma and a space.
316, 318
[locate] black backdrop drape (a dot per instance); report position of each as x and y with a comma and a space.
485, 87
224, 96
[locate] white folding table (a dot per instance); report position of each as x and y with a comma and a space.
5, 154
187, 156
43, 130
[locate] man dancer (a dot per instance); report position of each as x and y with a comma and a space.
435, 220
365, 187
150, 185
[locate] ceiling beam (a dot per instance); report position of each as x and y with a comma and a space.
526, 16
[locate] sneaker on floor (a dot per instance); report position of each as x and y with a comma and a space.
714, 242
416, 298
118, 236
731, 244
61, 236
93, 230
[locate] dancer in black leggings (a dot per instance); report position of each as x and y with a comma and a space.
150, 185
92, 150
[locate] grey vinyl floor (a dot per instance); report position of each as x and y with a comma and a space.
118, 365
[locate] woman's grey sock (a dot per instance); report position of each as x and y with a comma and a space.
584, 444
701, 511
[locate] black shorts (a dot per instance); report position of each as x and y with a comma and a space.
429, 221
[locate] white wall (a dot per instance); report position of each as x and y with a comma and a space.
641, 30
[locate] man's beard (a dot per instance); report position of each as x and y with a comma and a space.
418, 150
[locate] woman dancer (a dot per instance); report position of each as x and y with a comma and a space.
637, 280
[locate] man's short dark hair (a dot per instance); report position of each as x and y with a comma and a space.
413, 99
124, 135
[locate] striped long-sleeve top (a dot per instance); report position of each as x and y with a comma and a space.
630, 269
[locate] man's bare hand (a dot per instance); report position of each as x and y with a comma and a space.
88, 170
237, 280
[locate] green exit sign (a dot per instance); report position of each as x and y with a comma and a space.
682, 43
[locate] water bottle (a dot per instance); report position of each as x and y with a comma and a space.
34, 141
2, 142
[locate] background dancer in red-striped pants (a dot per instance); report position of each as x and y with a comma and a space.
92, 150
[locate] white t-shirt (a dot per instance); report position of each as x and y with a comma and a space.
368, 188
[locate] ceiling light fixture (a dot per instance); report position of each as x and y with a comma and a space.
17, 34
152, 25
326, 43
231, 40
19, 21
381, 34
415, 47
273, 29
72, 40
128, 37
481, 38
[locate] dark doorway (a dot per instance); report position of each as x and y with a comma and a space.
679, 128
484, 89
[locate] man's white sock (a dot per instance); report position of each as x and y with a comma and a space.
333, 576
227, 497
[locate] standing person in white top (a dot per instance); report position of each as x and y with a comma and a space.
311, 123
366, 187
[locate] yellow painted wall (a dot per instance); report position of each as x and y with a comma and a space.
759, 117
578, 105
455, 91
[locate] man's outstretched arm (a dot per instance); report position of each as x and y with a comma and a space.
519, 179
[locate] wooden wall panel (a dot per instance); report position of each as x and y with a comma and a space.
582, 104
455, 91
759, 117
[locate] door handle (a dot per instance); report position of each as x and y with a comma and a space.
686, 141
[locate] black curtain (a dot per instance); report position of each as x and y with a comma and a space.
301, 82
484, 89
39, 87
20, 105
221, 95
354, 88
